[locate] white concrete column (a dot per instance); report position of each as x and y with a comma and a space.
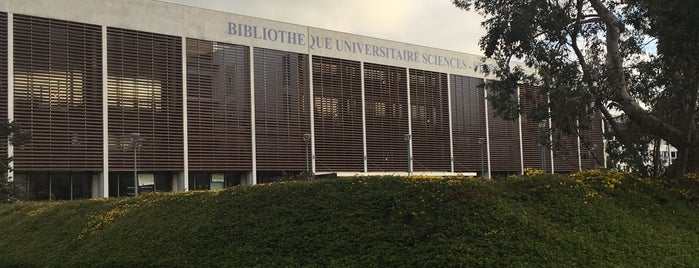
364, 149
519, 125
577, 136
104, 180
487, 126
185, 134
10, 88
553, 167
310, 105
604, 142
252, 178
451, 131
410, 123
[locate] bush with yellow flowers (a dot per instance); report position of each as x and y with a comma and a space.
530, 172
606, 178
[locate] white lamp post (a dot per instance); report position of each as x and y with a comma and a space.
542, 125
481, 141
134, 144
307, 139
408, 141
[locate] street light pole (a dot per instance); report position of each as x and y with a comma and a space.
542, 125
480, 146
408, 140
134, 144
307, 139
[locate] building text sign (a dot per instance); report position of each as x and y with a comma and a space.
347, 46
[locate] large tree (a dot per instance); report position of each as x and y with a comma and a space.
11, 132
638, 57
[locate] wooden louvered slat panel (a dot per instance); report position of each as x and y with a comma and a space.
337, 105
591, 141
145, 96
3, 77
430, 121
58, 94
282, 110
218, 106
386, 107
468, 123
531, 132
565, 151
504, 143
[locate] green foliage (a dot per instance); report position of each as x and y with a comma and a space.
535, 220
12, 133
601, 56
11, 193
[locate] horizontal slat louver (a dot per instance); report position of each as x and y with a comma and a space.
282, 110
58, 94
337, 105
532, 134
565, 150
430, 121
591, 141
218, 106
385, 94
504, 143
468, 123
3, 76
145, 96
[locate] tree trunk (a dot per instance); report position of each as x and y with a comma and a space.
687, 161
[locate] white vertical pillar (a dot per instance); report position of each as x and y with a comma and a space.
10, 88
310, 105
487, 125
548, 102
253, 173
410, 123
604, 142
521, 145
451, 133
577, 136
185, 133
364, 149
104, 190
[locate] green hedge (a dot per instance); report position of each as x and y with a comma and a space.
367, 221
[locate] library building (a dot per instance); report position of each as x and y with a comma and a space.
143, 95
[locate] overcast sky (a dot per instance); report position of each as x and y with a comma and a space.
433, 23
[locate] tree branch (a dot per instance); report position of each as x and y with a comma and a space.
615, 67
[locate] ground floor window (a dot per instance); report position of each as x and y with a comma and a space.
56, 185
122, 183
214, 180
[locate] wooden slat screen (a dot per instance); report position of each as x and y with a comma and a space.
385, 94
592, 141
468, 123
430, 121
145, 96
58, 94
565, 150
3, 76
504, 143
531, 132
282, 110
337, 105
218, 106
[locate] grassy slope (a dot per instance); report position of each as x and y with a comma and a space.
543, 221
